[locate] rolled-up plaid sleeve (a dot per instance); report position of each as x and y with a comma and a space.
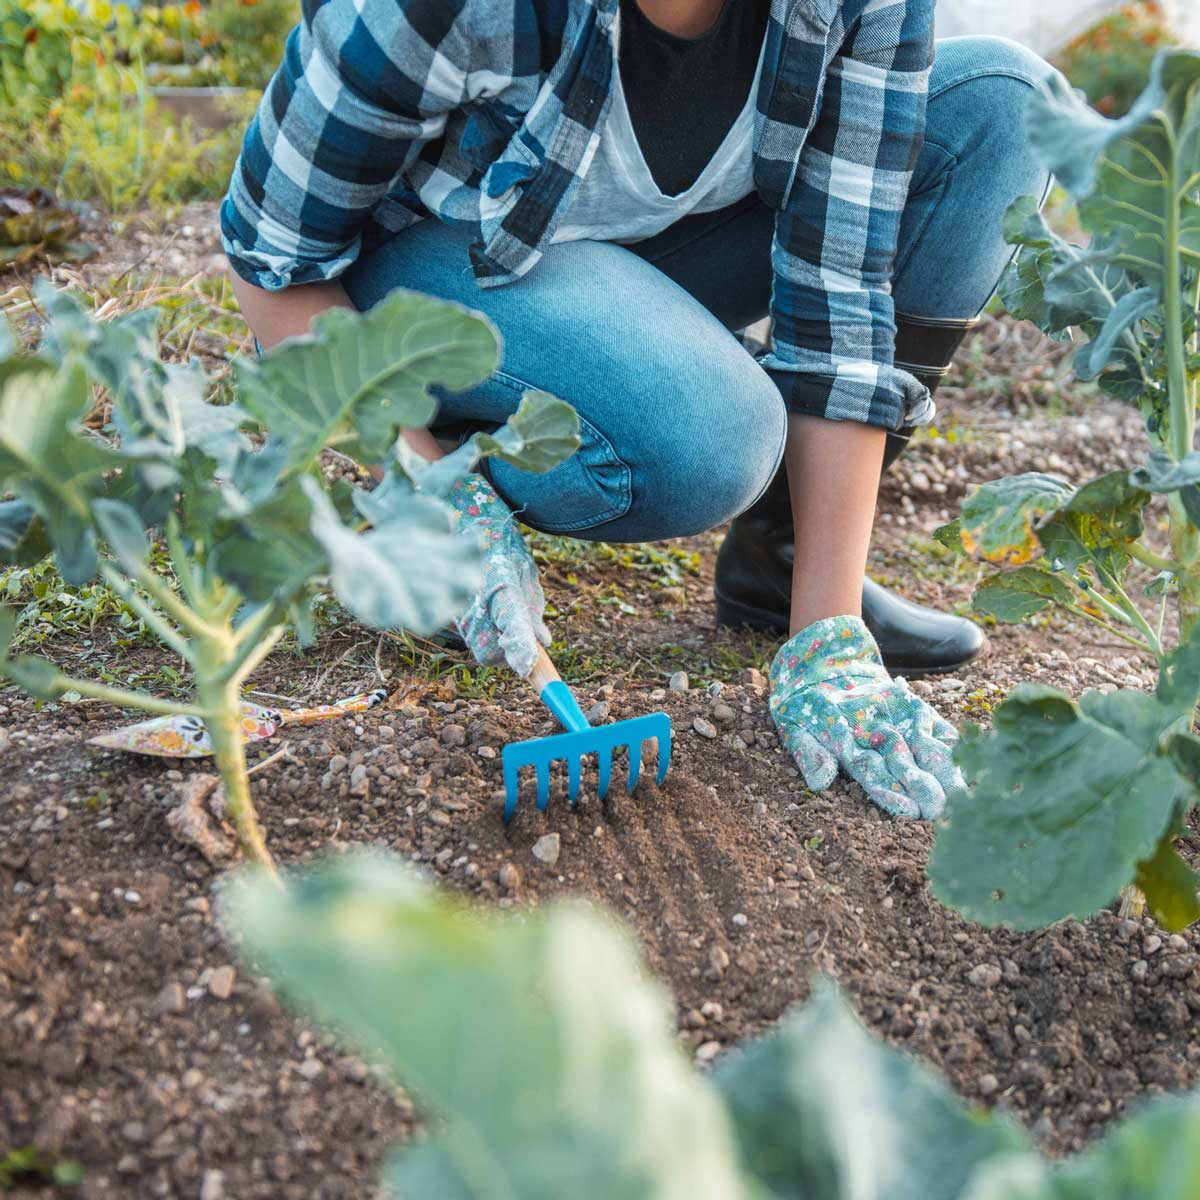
833, 320
362, 87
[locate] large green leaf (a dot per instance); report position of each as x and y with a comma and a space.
540, 434
1169, 885
821, 1109
1096, 524
358, 378
49, 461
23, 540
271, 553
1070, 138
1163, 474
1154, 1155
1017, 595
413, 571
1064, 800
998, 517
540, 1045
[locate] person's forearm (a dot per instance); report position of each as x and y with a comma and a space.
274, 316
833, 474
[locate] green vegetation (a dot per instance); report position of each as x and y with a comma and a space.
544, 1056
77, 116
28, 1165
251, 529
1071, 802
1109, 62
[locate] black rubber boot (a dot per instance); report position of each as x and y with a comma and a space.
754, 566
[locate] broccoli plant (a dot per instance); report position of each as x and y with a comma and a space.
546, 1058
250, 524
1072, 802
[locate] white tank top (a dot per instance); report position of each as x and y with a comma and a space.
618, 200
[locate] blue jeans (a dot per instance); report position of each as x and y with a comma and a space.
681, 430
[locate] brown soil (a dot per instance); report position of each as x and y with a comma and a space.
121, 1046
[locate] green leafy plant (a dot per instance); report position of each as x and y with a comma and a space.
251, 529
29, 1165
77, 116
33, 224
545, 1058
1110, 60
221, 42
1072, 801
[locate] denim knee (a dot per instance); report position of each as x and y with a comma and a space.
983, 56
719, 455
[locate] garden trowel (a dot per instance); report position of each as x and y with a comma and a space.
579, 739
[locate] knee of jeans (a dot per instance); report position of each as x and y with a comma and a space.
717, 459
989, 57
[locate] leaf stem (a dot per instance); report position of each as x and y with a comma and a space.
251, 654
1150, 559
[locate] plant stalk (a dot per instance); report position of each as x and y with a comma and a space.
222, 707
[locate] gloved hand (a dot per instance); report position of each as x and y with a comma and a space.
834, 704
504, 622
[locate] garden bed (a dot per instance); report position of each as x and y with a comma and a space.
125, 1042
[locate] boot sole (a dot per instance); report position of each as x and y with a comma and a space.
734, 614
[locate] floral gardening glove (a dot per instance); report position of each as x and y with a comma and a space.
504, 622
835, 705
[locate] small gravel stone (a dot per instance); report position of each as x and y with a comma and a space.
678, 682
707, 1052
951, 685
1140, 969
310, 1068
724, 714
171, 999
220, 982
740, 920
5, 741
1152, 945
486, 752
752, 677
338, 763
988, 1085
985, 975
598, 712
358, 775
133, 1131
704, 728
718, 962
454, 735
213, 1186
546, 849
510, 878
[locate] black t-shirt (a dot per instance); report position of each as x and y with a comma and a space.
684, 94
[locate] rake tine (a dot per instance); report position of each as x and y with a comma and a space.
574, 770
635, 766
543, 782
603, 770
664, 754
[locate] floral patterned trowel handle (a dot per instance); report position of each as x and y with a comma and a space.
186, 737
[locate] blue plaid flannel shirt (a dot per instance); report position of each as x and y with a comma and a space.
486, 116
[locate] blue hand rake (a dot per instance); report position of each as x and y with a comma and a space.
580, 739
